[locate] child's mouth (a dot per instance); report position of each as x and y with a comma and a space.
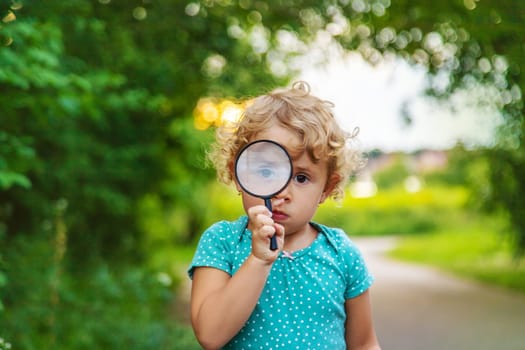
279, 216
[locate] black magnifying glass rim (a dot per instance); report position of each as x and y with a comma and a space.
239, 156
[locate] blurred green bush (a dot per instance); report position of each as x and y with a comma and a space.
103, 307
396, 211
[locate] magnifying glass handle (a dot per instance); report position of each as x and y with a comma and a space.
273, 239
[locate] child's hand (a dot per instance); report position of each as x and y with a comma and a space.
263, 228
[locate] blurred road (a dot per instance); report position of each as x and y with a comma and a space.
420, 308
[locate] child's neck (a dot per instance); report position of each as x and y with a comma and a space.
300, 240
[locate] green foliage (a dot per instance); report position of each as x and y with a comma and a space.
5, 345
396, 211
394, 174
19, 155
109, 308
505, 194
461, 168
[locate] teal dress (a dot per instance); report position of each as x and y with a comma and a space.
302, 305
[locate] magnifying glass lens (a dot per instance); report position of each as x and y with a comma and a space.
263, 168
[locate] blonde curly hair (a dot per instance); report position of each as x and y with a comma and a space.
308, 117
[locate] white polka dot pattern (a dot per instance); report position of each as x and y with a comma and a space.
302, 304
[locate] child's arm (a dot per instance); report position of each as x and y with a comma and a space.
360, 333
221, 304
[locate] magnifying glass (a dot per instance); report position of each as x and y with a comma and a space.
263, 168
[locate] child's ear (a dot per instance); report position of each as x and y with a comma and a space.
331, 183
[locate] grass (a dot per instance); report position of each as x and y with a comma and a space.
477, 253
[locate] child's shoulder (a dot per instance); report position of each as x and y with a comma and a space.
337, 237
225, 228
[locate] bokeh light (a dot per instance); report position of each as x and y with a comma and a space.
217, 112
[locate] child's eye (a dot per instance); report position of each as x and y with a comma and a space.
301, 178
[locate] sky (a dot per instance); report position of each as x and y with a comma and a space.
371, 98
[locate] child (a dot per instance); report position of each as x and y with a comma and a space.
310, 293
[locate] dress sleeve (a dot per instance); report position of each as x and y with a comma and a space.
358, 277
213, 250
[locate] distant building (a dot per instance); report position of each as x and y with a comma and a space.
416, 164
428, 161
420, 162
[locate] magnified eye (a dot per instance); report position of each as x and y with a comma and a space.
266, 172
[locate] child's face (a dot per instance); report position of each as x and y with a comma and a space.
295, 206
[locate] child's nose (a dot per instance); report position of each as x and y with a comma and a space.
277, 201
283, 195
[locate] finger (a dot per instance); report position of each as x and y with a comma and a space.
279, 229
262, 220
280, 233
258, 209
267, 231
